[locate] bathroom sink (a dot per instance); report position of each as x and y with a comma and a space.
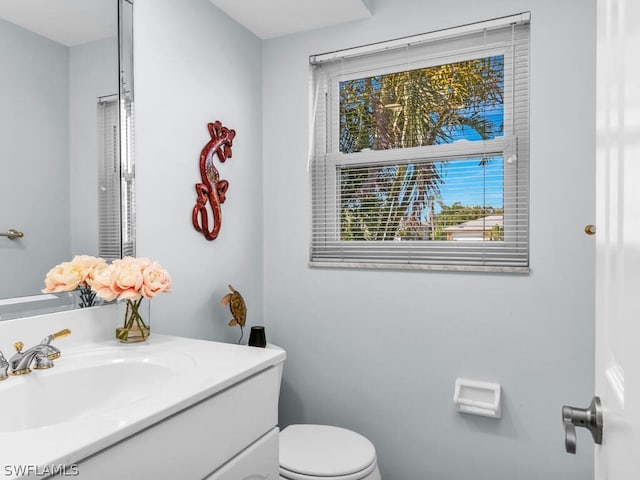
102, 381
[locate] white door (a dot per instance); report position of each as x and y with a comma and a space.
618, 239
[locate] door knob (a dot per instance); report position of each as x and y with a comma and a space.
589, 418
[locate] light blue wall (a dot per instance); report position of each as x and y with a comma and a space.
49, 151
374, 351
93, 73
194, 65
379, 351
34, 158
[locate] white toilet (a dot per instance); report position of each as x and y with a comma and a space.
322, 452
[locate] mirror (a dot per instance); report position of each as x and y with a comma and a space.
67, 180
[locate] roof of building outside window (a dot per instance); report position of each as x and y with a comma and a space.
479, 224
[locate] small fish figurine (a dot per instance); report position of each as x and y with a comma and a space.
238, 309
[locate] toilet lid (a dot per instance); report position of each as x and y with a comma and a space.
325, 451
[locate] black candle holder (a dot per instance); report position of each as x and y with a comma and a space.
257, 337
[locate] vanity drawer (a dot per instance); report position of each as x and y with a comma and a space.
258, 461
196, 441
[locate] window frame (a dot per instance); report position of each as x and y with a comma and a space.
328, 160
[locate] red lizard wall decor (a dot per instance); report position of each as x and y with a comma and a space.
212, 189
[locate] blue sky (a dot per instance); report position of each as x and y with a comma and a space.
470, 183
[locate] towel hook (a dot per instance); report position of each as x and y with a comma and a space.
12, 234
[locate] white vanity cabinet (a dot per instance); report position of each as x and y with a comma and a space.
230, 436
167, 408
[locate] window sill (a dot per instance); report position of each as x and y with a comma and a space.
413, 266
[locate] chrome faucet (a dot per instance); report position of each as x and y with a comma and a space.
21, 361
40, 356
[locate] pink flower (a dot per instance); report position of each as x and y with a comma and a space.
88, 266
101, 283
126, 280
156, 280
68, 275
62, 278
130, 278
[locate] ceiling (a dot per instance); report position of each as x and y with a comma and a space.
274, 18
97, 19
69, 22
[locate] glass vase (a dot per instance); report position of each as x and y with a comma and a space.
136, 326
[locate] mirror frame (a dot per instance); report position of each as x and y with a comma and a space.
18, 307
126, 128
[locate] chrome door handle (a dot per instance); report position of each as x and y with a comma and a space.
589, 418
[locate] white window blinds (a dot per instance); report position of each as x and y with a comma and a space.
420, 151
116, 175
109, 235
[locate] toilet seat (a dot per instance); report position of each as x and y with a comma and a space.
323, 452
286, 474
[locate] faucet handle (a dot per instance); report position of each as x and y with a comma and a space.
49, 338
41, 363
62, 333
18, 346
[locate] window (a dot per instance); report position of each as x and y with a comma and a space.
420, 154
116, 195
109, 235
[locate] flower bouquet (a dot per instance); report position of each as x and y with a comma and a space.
131, 279
76, 274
